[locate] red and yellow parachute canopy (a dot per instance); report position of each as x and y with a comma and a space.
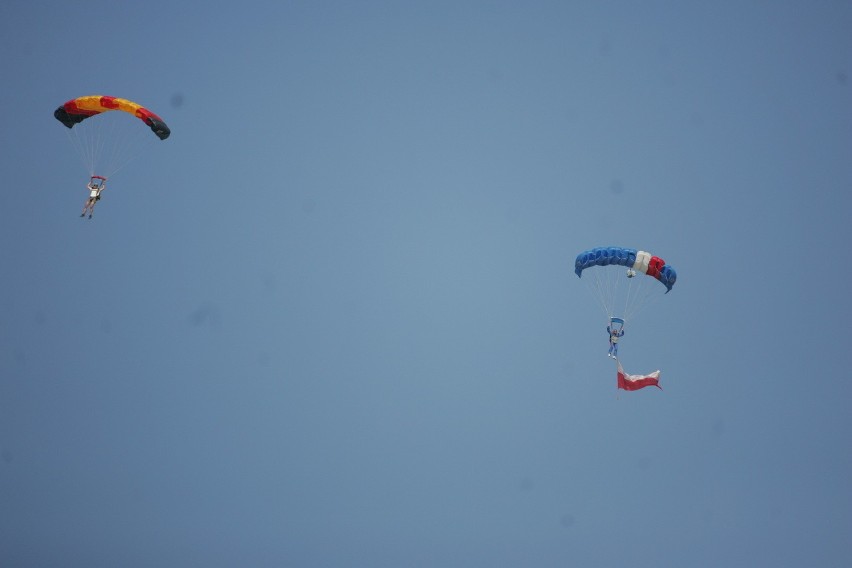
79, 109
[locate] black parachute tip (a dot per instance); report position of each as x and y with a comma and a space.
67, 119
159, 128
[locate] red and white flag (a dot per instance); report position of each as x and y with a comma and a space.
636, 382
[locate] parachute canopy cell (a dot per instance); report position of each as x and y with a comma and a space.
79, 109
637, 260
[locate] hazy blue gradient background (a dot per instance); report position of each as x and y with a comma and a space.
333, 320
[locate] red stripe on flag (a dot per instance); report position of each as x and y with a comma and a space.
636, 382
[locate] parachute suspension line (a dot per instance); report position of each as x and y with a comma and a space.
641, 293
622, 292
605, 287
99, 140
109, 143
603, 291
631, 298
129, 147
109, 138
619, 295
113, 159
106, 131
81, 145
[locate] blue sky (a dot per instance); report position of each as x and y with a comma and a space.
333, 319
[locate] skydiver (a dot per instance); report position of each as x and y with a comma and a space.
614, 334
95, 186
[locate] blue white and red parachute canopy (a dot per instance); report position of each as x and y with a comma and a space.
637, 260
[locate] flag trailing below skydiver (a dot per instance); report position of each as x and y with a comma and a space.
636, 382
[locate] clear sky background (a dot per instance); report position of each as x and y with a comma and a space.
333, 320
